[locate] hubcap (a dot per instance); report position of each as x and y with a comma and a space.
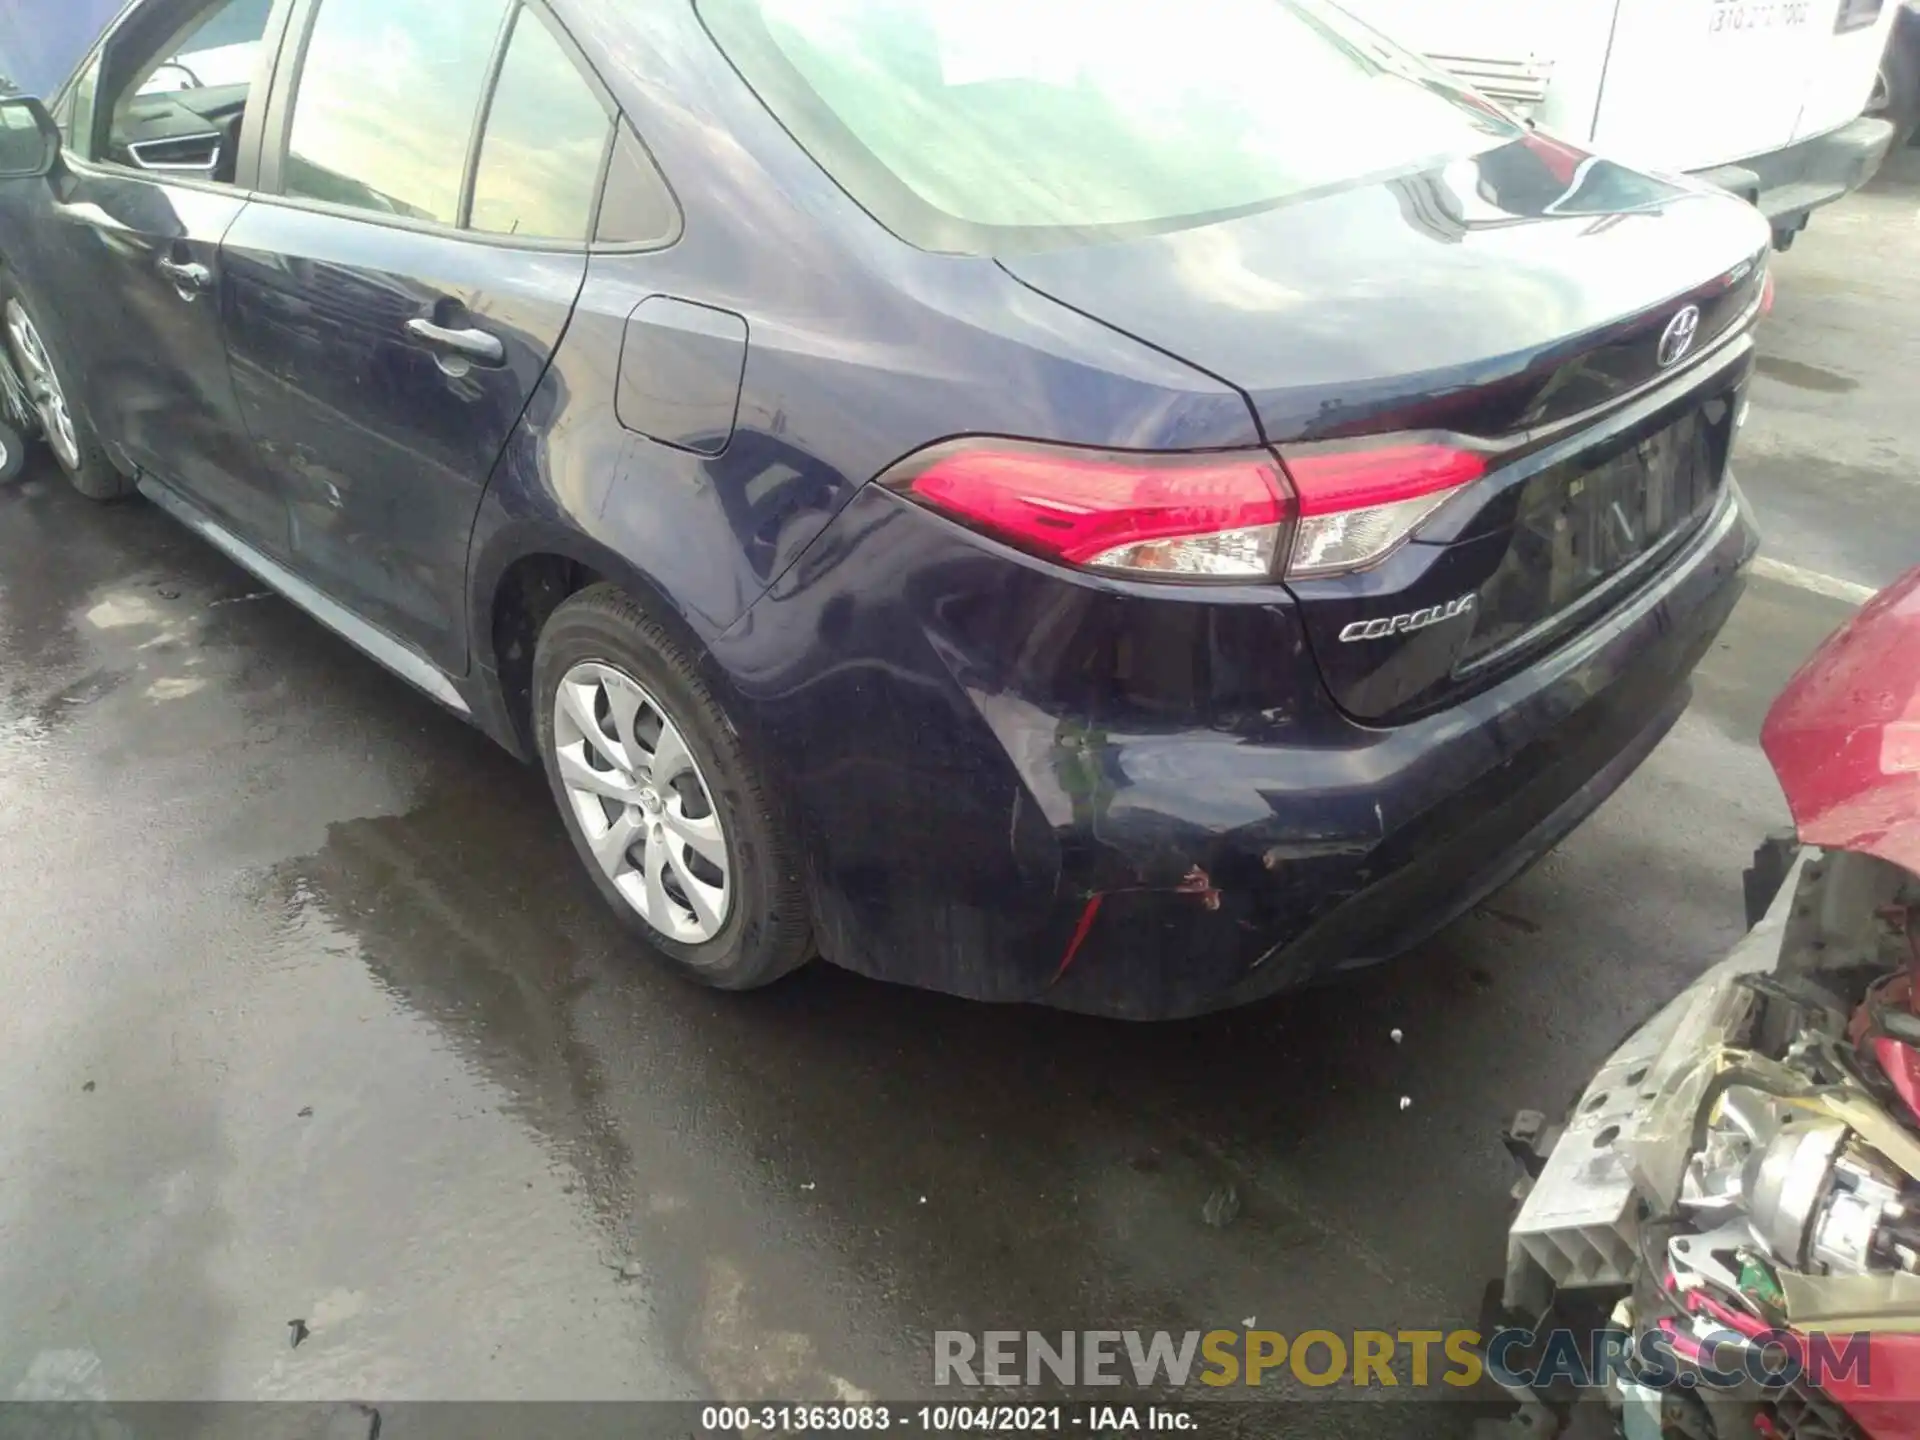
643, 803
43, 386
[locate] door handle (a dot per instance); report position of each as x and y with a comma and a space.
188, 279
474, 345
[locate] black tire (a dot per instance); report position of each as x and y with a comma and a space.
94, 476
13, 454
1896, 94
765, 934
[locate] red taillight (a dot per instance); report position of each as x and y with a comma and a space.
1330, 480
1232, 516
1199, 516
1358, 505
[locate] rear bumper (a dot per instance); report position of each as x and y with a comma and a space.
1788, 184
1464, 801
1031, 787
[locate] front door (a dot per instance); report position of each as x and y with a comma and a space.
134, 279
403, 282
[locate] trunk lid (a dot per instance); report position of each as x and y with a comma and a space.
1517, 300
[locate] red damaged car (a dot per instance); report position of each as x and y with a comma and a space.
1741, 1181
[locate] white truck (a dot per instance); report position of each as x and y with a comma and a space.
1761, 97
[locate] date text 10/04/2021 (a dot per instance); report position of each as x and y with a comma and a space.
979, 1419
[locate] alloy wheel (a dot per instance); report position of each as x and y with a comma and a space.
43, 386
642, 802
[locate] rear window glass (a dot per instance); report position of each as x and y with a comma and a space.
984, 125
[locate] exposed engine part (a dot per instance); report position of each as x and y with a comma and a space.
1716, 1182
1742, 1178
1859, 1226
1712, 1259
1844, 1238
1786, 1182
1668, 1129
1810, 1195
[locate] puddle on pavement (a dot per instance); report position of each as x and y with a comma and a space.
765, 1160
1805, 377
467, 913
93, 598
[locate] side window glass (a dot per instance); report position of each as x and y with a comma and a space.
638, 209
177, 103
386, 102
545, 143
218, 49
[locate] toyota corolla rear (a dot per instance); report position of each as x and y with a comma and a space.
1192, 725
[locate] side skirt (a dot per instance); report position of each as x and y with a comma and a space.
376, 644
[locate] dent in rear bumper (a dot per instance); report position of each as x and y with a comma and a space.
1419, 823
967, 792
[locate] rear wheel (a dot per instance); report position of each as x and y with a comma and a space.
664, 805
42, 369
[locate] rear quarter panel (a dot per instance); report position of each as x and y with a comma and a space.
860, 349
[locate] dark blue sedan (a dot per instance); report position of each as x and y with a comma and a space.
1132, 507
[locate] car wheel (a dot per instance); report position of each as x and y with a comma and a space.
666, 809
39, 360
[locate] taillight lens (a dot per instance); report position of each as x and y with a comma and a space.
1217, 516
1357, 505
1766, 293
1203, 516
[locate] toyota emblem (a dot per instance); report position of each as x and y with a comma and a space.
1678, 339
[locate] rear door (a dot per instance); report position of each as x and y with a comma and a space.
431, 172
131, 272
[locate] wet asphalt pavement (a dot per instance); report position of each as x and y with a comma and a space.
309, 1015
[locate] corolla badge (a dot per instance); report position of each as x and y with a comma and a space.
1406, 624
1678, 339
